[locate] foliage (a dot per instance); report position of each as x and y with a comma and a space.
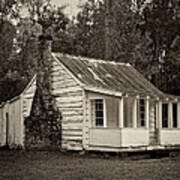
90, 31
161, 19
19, 53
144, 34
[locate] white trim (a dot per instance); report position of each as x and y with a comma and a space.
104, 113
157, 115
170, 115
178, 114
85, 142
135, 113
104, 91
121, 113
147, 113
22, 121
160, 114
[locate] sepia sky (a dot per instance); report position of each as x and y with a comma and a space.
71, 8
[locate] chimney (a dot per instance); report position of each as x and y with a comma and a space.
44, 65
45, 45
43, 127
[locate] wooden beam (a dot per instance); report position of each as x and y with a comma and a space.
147, 112
178, 114
135, 113
170, 115
105, 116
160, 114
121, 113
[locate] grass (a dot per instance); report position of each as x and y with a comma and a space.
43, 165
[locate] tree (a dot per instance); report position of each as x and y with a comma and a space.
143, 33
161, 19
89, 30
19, 53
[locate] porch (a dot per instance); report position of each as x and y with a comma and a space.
168, 120
132, 121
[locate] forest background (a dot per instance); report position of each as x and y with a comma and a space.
144, 33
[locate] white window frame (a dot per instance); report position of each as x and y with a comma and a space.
104, 112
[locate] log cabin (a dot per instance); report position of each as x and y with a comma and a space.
102, 106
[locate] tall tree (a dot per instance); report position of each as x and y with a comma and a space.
161, 19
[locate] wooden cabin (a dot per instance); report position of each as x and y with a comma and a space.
105, 106
12, 115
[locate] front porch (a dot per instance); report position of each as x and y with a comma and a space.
132, 122
168, 119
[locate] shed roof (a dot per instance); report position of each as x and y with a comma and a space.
108, 76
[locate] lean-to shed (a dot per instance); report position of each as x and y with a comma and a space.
12, 114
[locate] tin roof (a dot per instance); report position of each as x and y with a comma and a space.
108, 76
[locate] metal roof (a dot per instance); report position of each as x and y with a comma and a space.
108, 76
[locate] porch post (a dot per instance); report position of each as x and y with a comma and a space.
121, 112
105, 117
178, 114
160, 114
147, 112
170, 115
157, 115
135, 113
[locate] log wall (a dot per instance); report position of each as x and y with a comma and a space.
69, 99
28, 96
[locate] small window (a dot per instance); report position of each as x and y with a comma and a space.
99, 112
174, 115
142, 111
165, 115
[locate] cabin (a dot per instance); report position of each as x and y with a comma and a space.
104, 106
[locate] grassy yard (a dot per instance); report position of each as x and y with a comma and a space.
55, 165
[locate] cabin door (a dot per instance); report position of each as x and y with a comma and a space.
7, 128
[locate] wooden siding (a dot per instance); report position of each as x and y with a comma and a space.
16, 109
119, 138
134, 137
88, 124
14, 133
11, 123
69, 99
169, 136
3, 111
105, 137
28, 96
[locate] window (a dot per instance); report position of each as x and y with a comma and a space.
142, 111
174, 115
165, 115
105, 112
99, 112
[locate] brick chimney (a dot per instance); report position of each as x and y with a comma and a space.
43, 127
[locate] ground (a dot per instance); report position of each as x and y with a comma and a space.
44, 165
